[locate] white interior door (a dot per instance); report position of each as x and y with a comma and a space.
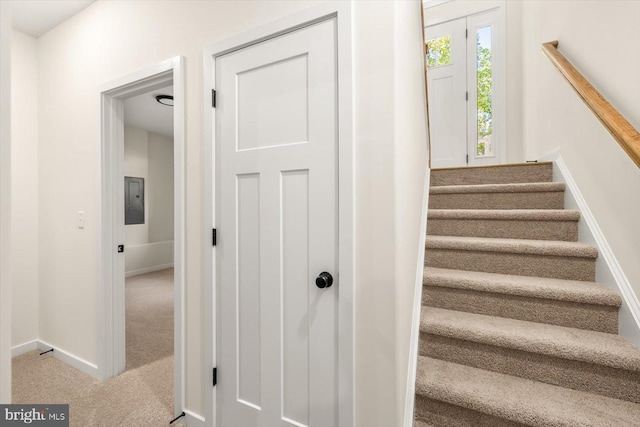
276, 168
447, 80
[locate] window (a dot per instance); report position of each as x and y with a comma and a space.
439, 51
484, 145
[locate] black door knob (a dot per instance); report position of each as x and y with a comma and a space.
324, 280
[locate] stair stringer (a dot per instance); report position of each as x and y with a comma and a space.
412, 371
608, 269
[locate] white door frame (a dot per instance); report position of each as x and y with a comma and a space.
341, 11
111, 299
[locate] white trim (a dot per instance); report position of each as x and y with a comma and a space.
23, 348
70, 359
346, 257
111, 339
193, 420
147, 270
433, 3
409, 403
58, 353
470, 8
608, 270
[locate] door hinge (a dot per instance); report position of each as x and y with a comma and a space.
215, 376
466, 33
467, 159
213, 98
467, 96
214, 237
120, 249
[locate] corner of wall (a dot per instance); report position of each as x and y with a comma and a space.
5, 204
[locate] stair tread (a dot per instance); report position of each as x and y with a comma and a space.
485, 167
524, 286
527, 187
520, 246
558, 341
505, 214
520, 400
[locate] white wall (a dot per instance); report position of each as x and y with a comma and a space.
160, 192
24, 183
602, 39
103, 42
391, 162
136, 165
5, 201
410, 170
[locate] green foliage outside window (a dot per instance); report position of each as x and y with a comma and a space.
485, 122
439, 51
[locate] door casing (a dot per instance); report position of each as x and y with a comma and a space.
111, 301
341, 11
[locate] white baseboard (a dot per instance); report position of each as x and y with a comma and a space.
23, 348
63, 356
608, 270
417, 309
71, 360
147, 270
193, 420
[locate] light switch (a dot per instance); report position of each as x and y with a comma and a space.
81, 219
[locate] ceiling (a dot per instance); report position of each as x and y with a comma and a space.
145, 112
36, 17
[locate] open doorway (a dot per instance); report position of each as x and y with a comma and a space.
141, 324
149, 230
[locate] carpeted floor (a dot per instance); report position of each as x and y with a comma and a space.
143, 395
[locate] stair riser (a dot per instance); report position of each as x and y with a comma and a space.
616, 383
570, 268
443, 414
505, 229
497, 175
600, 318
533, 200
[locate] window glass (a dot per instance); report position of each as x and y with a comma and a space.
484, 82
439, 51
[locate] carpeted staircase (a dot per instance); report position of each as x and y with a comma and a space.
514, 331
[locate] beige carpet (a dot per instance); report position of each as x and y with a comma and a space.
514, 331
143, 395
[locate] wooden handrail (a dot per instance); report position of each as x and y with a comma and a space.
426, 85
621, 130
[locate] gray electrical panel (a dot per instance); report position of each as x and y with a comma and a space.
133, 200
